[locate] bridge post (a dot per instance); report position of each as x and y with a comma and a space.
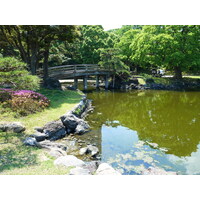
106, 81
97, 81
85, 82
75, 83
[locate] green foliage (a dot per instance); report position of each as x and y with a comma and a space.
174, 47
14, 74
110, 59
32, 42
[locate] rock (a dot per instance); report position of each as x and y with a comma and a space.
57, 152
83, 151
2, 127
39, 136
30, 141
157, 171
79, 171
71, 87
105, 169
52, 83
51, 145
92, 150
92, 166
74, 124
82, 127
15, 127
69, 161
54, 130
39, 129
70, 122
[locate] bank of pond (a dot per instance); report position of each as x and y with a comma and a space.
137, 132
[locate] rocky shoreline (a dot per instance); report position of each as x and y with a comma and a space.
68, 126
175, 85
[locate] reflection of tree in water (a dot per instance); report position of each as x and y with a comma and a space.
171, 119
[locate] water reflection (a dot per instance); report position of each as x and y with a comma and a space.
170, 119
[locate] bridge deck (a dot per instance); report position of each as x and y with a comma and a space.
70, 71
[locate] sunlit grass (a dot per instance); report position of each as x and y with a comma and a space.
61, 102
18, 159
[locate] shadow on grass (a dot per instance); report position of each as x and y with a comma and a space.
58, 97
13, 154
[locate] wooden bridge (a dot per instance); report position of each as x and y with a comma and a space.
81, 71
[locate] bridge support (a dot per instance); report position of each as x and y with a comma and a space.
75, 83
85, 82
106, 81
97, 81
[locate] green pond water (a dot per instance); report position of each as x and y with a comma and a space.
124, 123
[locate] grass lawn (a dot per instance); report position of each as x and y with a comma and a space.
61, 102
17, 159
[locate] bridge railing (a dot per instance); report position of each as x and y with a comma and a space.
75, 68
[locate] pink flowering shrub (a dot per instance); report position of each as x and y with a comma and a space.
24, 102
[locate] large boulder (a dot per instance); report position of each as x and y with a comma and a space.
70, 121
15, 127
90, 149
79, 171
52, 83
54, 130
82, 127
39, 136
57, 152
51, 145
93, 150
92, 166
106, 169
74, 124
30, 141
69, 161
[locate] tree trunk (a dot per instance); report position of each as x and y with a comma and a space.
33, 63
45, 64
178, 73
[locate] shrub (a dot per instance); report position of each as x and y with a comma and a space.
23, 102
14, 74
26, 102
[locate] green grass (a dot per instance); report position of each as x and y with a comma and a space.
18, 159
197, 77
61, 102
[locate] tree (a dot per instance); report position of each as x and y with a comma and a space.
175, 47
14, 74
124, 46
93, 38
110, 59
33, 42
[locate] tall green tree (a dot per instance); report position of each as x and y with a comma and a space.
124, 45
33, 42
93, 38
175, 47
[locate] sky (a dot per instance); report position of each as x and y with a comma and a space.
110, 26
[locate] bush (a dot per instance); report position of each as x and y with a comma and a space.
26, 102
23, 102
14, 74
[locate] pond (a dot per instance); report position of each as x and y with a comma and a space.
138, 129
